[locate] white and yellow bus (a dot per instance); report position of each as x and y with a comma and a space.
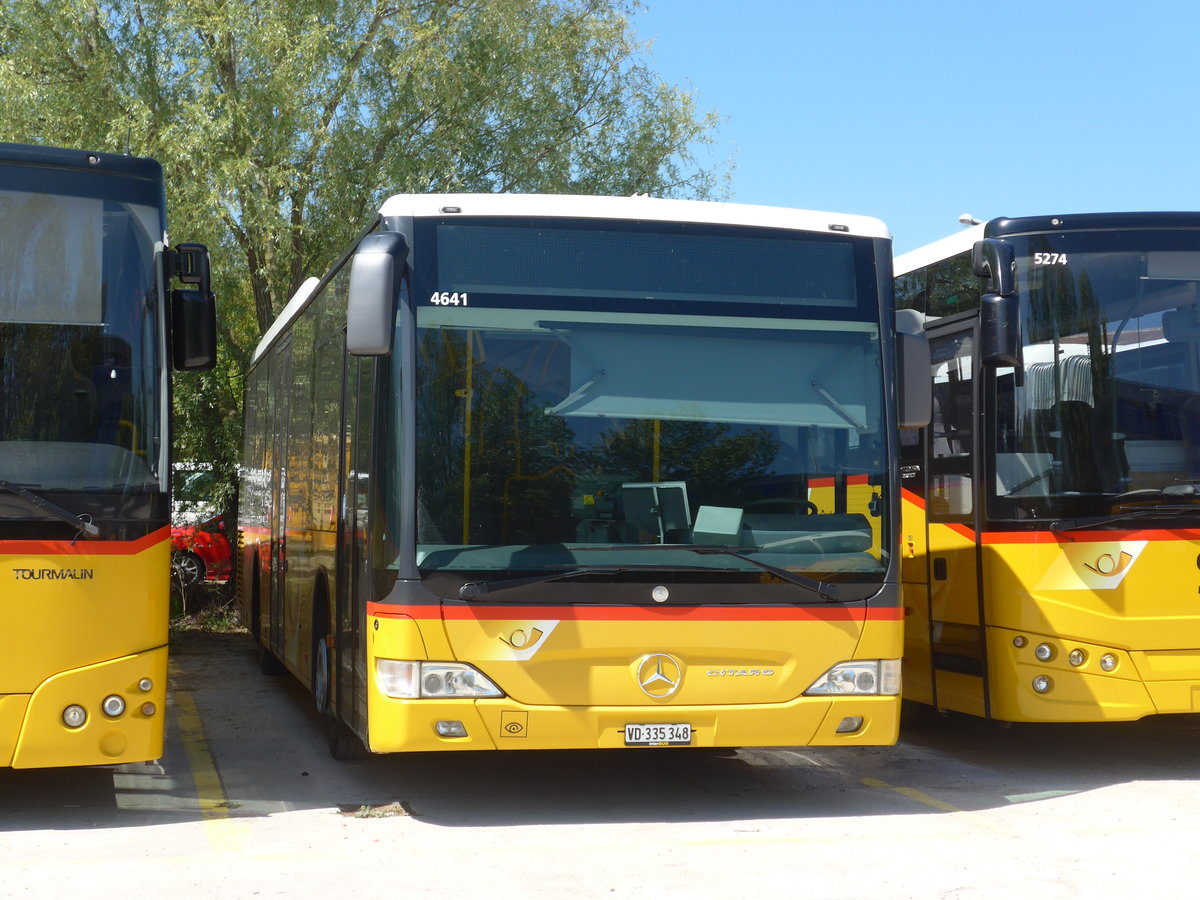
1051, 528
84, 464
531, 472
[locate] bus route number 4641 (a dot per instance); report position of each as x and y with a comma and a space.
657, 735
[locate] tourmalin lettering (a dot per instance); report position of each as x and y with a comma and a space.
54, 574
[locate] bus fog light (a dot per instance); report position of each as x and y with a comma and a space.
113, 706
1044, 652
146, 685
1019, 641
850, 724
1042, 684
451, 729
1077, 657
74, 716
1108, 662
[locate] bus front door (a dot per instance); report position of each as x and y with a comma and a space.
957, 656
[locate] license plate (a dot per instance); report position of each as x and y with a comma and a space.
657, 735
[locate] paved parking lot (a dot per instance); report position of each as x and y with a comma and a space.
247, 801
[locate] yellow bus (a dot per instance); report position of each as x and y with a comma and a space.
1051, 528
529, 472
84, 463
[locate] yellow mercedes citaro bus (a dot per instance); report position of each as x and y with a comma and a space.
533, 472
1051, 529
88, 329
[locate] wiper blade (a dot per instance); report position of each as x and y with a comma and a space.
472, 590
83, 523
1139, 512
824, 590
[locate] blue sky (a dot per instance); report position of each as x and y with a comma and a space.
916, 112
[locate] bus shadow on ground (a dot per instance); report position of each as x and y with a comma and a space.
268, 745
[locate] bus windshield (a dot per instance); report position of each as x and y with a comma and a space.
617, 399
80, 363
1107, 419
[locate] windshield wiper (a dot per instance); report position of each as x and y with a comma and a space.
824, 590
83, 523
472, 590
1141, 512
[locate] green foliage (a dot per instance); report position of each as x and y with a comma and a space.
281, 125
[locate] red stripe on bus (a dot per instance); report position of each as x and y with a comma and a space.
85, 547
829, 482
1085, 537
638, 614
909, 497
1071, 537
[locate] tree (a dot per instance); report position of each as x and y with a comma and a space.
281, 125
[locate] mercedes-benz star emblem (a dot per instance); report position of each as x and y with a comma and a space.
659, 675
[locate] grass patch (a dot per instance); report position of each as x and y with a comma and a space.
370, 811
210, 607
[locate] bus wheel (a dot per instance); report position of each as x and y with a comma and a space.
321, 674
343, 743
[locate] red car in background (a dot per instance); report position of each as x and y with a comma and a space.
201, 552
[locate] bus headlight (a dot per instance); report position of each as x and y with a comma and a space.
860, 676
411, 680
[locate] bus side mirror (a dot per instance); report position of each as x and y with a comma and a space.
999, 308
193, 311
193, 331
913, 370
374, 273
1181, 324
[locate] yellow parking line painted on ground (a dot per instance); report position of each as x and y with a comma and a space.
223, 834
913, 794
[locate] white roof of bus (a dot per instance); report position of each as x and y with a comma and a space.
638, 206
298, 302
577, 206
938, 250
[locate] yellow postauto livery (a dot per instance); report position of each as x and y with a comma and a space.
1051, 529
531, 472
85, 675
85, 358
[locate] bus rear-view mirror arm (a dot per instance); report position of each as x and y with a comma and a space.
999, 308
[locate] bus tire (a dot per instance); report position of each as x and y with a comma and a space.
343, 743
321, 682
268, 663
